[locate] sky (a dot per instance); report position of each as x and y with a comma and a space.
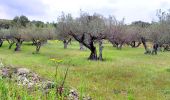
49, 10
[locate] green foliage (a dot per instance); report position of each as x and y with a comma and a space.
38, 23
64, 25
20, 21
5, 24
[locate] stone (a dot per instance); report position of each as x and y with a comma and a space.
35, 77
25, 81
30, 84
87, 98
73, 95
5, 72
24, 77
49, 85
21, 71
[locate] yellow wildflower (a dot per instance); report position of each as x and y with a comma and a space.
52, 59
56, 60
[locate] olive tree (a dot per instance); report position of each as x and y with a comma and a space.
139, 32
5, 24
158, 33
87, 30
17, 32
13, 35
116, 32
133, 36
164, 28
21, 21
2, 35
63, 27
16, 36
39, 36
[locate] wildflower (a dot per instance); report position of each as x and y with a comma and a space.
56, 60
52, 59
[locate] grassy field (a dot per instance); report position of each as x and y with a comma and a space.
125, 74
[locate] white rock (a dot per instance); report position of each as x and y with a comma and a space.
23, 71
73, 95
26, 80
30, 84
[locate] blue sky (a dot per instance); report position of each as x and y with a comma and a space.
48, 10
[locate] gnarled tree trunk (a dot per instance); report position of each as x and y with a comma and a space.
38, 46
81, 46
115, 44
89, 44
155, 48
119, 47
166, 47
11, 43
1, 42
66, 42
100, 50
18, 45
143, 40
133, 44
93, 54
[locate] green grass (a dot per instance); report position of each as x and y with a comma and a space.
125, 74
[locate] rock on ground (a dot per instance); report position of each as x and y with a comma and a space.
23, 71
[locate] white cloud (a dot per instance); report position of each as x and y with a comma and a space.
131, 10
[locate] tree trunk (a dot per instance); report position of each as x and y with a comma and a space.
38, 46
18, 45
155, 49
66, 42
65, 45
147, 51
89, 45
120, 46
100, 50
138, 45
133, 44
81, 46
1, 42
11, 44
70, 41
165, 47
116, 44
33, 42
93, 55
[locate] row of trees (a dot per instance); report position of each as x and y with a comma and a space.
38, 36
88, 30
23, 30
